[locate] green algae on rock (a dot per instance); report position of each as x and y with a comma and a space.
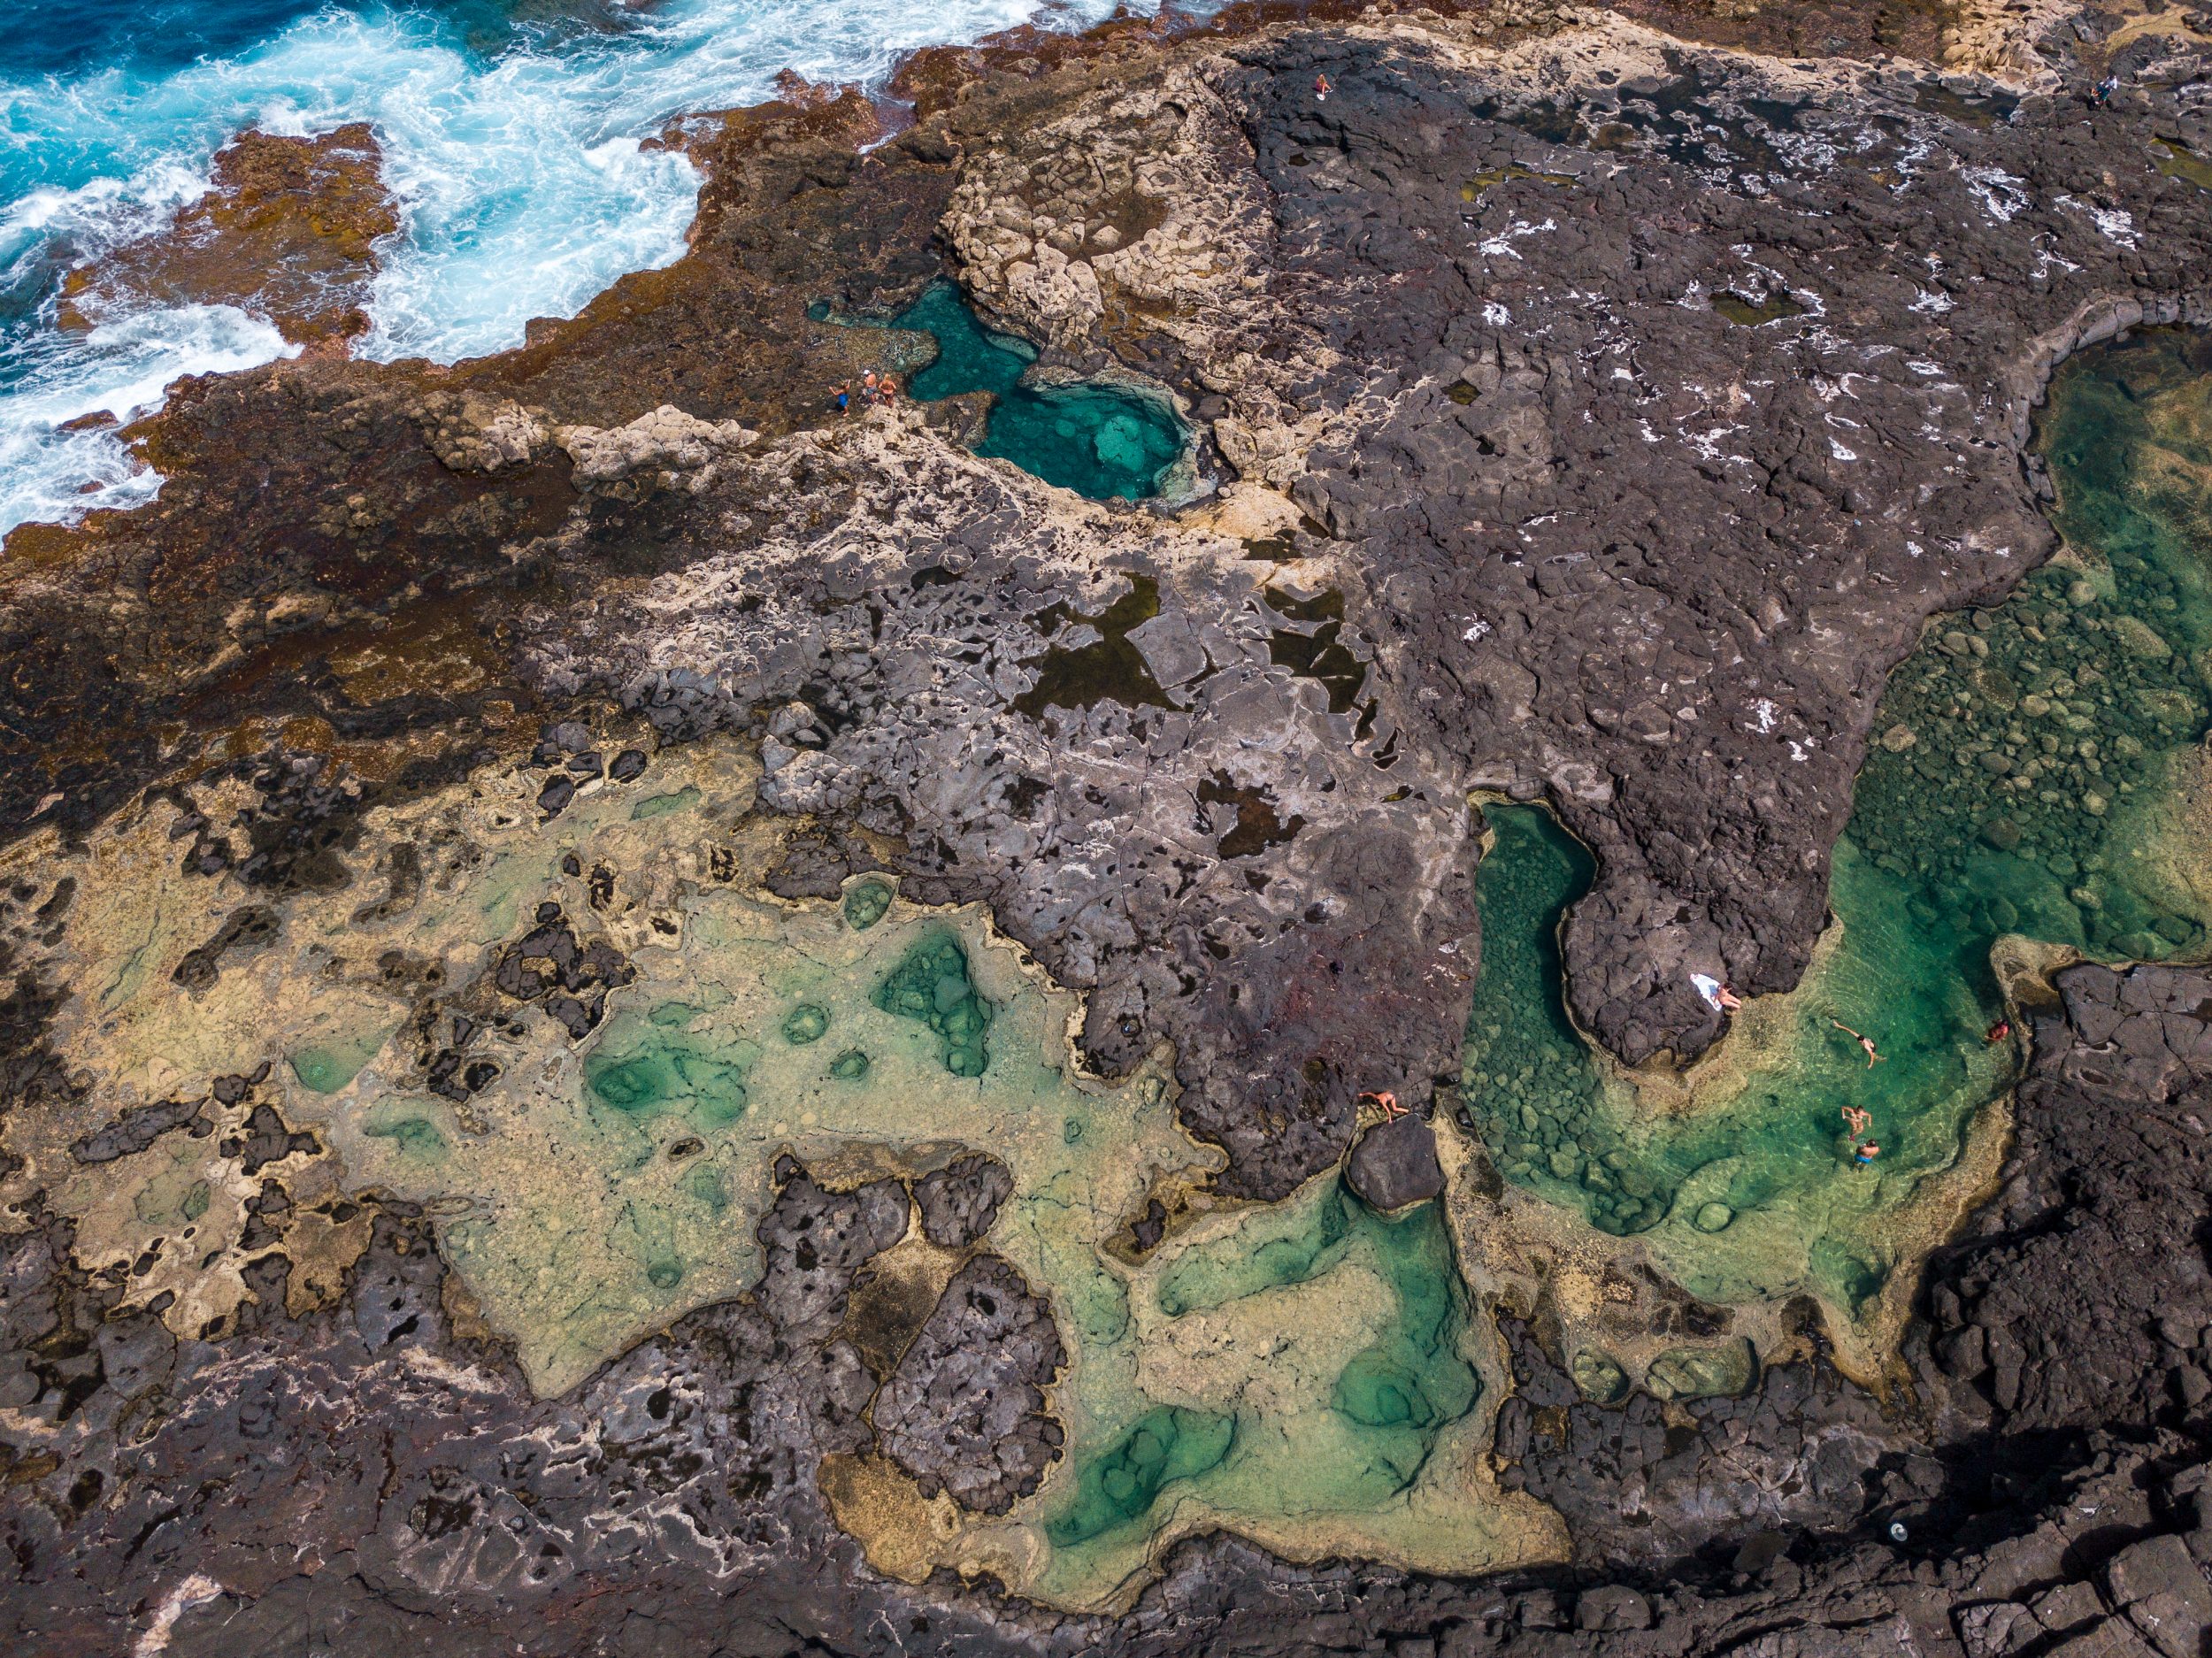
592, 1182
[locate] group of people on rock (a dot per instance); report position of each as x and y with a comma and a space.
874, 388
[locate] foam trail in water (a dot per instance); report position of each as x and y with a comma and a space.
523, 183
120, 368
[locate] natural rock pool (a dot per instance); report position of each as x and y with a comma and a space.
584, 1044
2037, 787
1098, 439
587, 1042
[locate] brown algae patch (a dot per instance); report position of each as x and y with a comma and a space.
582, 1043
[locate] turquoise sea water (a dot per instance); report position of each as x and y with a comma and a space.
2032, 779
1097, 439
511, 132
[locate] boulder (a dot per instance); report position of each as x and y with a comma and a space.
1394, 1164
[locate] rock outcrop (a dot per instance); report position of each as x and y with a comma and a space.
287, 231
1586, 414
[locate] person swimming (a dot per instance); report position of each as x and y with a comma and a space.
1867, 1043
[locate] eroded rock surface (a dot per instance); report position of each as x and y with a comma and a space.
965, 1412
1586, 415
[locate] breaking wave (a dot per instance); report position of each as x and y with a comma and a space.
513, 136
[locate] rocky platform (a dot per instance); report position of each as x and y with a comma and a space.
1592, 414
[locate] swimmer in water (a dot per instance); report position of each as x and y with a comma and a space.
1865, 1152
1857, 1120
1867, 1043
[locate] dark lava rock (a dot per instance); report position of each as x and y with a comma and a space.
960, 1200
1638, 1481
963, 1411
2080, 1298
266, 1138
138, 1127
246, 928
1394, 1164
814, 1240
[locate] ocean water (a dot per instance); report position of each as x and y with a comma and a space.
512, 132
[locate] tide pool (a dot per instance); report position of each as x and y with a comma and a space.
1101, 440
513, 136
2036, 787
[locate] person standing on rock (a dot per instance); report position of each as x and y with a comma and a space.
1865, 1152
1391, 1109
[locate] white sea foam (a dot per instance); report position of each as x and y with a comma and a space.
121, 368
522, 181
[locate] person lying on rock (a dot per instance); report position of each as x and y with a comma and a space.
1718, 996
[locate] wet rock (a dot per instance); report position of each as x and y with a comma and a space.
287, 230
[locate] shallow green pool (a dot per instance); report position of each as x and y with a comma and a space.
1098, 440
2028, 779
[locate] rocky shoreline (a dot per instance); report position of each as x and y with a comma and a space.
1585, 413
